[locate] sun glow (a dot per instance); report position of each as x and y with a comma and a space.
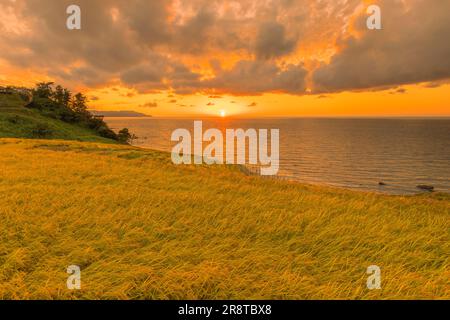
223, 113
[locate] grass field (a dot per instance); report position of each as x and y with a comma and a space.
142, 228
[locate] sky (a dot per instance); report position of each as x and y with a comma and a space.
246, 58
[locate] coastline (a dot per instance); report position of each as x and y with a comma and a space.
342, 153
254, 170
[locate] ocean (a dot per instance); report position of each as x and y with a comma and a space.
350, 153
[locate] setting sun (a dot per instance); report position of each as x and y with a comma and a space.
223, 113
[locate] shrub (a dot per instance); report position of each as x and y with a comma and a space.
125, 136
14, 119
41, 131
96, 122
105, 132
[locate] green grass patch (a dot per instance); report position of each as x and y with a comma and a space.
16, 121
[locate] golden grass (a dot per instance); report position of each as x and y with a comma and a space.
142, 228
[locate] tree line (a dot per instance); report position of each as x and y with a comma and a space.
59, 103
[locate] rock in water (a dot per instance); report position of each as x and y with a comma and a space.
425, 187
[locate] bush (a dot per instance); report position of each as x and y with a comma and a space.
14, 119
41, 131
96, 123
105, 132
68, 116
125, 136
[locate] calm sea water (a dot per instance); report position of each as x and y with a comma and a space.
351, 153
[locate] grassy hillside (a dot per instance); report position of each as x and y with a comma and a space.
18, 121
142, 228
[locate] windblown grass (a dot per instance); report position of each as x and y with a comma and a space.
142, 228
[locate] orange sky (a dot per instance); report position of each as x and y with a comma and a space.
418, 100
240, 58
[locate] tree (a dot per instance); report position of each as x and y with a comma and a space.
43, 90
67, 96
79, 106
62, 96
58, 94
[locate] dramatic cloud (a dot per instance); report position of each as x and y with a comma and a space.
258, 77
218, 47
411, 48
271, 41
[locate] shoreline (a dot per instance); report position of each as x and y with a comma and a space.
253, 170
248, 171
367, 162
